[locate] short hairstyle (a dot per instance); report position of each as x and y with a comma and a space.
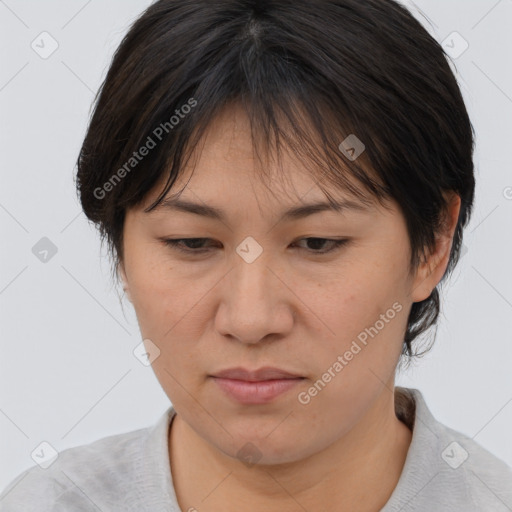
307, 73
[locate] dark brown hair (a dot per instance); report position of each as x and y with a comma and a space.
307, 73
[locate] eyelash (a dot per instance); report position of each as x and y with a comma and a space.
174, 244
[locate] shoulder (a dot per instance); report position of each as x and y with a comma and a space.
87, 477
487, 478
446, 469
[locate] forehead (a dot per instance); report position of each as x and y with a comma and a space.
215, 189
225, 168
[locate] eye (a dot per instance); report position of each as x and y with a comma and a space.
332, 245
195, 245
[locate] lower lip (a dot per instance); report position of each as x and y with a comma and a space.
256, 392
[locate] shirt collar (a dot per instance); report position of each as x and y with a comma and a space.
421, 465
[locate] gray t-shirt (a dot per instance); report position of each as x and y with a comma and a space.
444, 471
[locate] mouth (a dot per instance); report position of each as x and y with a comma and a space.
261, 374
255, 387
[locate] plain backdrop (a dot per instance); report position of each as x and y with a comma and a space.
68, 375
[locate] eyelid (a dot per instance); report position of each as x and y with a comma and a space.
337, 243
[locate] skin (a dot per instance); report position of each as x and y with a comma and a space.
291, 308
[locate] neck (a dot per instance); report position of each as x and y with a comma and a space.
357, 472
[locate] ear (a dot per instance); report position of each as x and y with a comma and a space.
430, 272
126, 287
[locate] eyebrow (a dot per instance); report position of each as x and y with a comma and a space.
295, 213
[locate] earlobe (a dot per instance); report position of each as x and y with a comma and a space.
127, 292
431, 271
124, 279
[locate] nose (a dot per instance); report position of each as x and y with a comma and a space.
255, 303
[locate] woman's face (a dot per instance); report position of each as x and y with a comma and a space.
261, 295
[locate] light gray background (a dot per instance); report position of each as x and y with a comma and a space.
68, 375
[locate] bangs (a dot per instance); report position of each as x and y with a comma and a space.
307, 132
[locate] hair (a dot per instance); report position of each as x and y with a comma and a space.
307, 73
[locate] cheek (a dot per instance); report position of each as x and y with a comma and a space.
356, 357
171, 311
159, 295
364, 308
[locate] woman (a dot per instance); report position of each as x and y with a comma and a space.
282, 185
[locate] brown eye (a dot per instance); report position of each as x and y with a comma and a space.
187, 245
315, 244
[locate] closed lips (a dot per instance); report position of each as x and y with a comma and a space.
261, 374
